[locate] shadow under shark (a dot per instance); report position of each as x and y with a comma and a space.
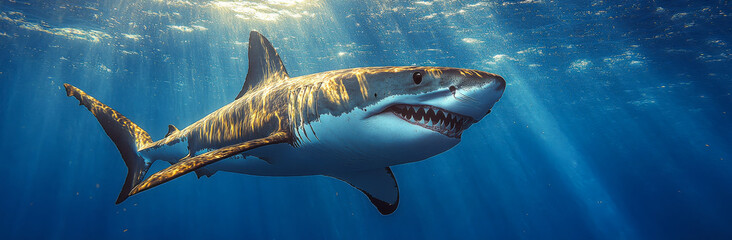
348, 124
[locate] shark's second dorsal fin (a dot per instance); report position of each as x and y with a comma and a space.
171, 129
264, 63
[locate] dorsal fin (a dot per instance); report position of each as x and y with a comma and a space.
264, 63
171, 130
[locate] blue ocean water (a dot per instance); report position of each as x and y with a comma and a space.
615, 123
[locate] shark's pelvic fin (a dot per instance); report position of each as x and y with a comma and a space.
264, 63
190, 164
379, 185
125, 134
171, 129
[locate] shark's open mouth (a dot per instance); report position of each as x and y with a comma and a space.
433, 118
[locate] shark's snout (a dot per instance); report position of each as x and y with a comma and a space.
476, 95
499, 83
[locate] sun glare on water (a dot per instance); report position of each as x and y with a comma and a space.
270, 10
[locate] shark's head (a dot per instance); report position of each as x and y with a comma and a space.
409, 113
423, 101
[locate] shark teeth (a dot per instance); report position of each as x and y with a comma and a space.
436, 119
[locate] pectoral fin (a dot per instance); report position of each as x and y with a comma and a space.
378, 185
190, 164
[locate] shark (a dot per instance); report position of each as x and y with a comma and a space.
351, 124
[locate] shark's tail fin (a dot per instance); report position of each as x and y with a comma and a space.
124, 133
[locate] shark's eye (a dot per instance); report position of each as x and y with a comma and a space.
417, 77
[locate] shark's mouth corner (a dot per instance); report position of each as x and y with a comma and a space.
433, 118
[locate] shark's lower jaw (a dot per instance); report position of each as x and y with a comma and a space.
433, 118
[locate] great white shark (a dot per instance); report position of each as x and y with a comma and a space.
350, 124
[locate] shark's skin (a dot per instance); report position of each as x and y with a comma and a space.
350, 124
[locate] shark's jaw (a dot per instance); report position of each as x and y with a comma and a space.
433, 118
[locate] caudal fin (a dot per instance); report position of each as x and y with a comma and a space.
125, 134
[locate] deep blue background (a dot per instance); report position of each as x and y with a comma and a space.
614, 124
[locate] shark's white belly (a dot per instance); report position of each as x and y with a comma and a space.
343, 143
